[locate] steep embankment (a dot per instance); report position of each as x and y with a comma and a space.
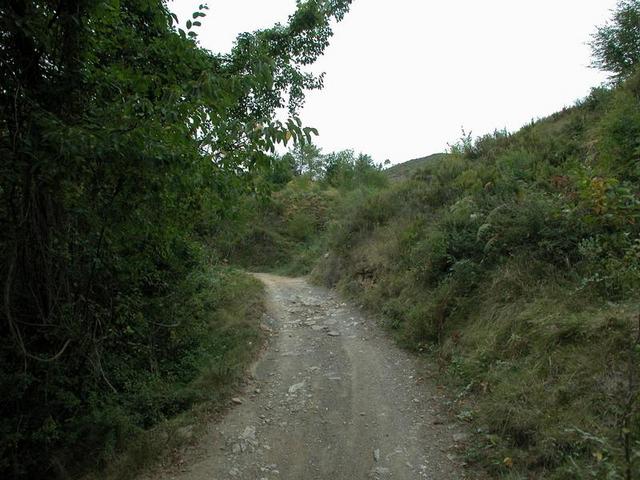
515, 261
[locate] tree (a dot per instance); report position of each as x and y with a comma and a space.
345, 169
122, 144
616, 44
339, 167
281, 170
309, 159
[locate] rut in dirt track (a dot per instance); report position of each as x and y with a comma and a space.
331, 398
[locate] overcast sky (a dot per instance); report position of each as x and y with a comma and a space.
403, 77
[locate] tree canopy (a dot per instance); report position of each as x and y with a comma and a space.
123, 142
616, 44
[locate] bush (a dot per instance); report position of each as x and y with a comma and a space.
619, 131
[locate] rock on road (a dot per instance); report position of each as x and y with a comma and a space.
331, 398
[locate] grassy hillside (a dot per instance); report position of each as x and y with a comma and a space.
515, 262
405, 170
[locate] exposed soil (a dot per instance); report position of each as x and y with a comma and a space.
331, 398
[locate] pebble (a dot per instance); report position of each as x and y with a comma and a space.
460, 437
295, 387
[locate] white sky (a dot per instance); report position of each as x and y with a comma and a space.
403, 77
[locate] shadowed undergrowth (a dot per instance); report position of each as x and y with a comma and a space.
230, 340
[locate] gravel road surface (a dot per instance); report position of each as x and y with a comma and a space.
332, 397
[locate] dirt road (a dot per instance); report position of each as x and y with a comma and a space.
331, 398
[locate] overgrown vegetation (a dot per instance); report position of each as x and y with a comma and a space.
287, 231
515, 261
156, 415
124, 146
616, 45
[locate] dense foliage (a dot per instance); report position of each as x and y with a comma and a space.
286, 231
123, 144
616, 45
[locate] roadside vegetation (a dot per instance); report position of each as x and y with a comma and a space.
285, 231
515, 264
124, 147
157, 414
